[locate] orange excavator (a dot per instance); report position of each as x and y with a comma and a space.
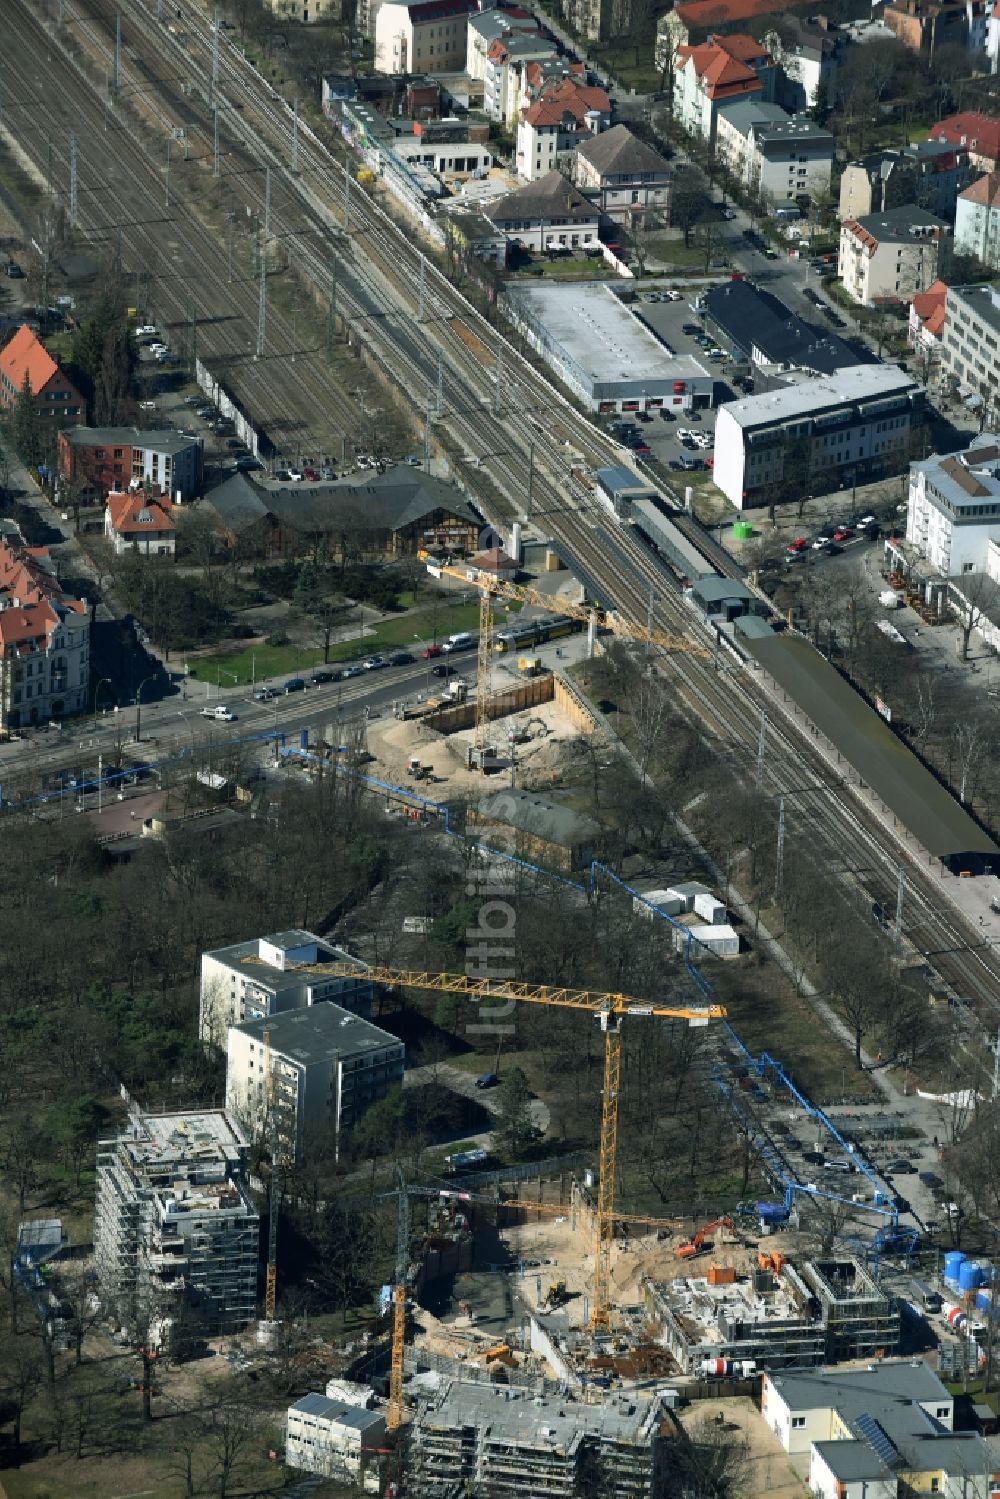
688, 1248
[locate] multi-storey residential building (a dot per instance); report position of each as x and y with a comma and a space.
427, 36
695, 21
953, 507
175, 1229
327, 1066
930, 174
99, 459
592, 19
926, 25
492, 26
877, 1432
271, 975
629, 178
808, 54
970, 346
561, 118
789, 158
504, 75
977, 221
44, 641
139, 521
56, 398
886, 257
715, 73
926, 322
848, 427
732, 133
976, 133
305, 10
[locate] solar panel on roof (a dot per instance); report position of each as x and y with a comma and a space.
876, 1438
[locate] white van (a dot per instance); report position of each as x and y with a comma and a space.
220, 713
463, 641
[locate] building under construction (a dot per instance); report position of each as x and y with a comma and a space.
781, 1317
501, 1440
175, 1229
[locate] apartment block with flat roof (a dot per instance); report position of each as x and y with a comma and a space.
269, 975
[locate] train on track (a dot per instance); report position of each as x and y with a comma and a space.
536, 632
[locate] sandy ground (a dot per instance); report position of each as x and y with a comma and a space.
393, 743
769, 1469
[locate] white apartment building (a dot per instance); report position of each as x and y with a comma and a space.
327, 1066
44, 641
270, 975
953, 507
977, 221
889, 256
562, 119
509, 60
715, 73
175, 1228
856, 423
490, 26
789, 157
325, 1436
430, 36
733, 124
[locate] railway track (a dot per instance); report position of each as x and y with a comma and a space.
380, 281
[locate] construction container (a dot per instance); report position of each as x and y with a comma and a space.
710, 909
953, 1261
721, 1275
739, 1368
663, 900
553, 562
742, 530
955, 1316
970, 1276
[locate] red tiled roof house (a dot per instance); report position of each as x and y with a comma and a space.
138, 521
56, 397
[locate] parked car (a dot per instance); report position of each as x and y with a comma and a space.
374, 663
311, 475
843, 533
666, 416
351, 671
429, 651
902, 1168
283, 476
487, 1080
318, 678
401, 658
821, 543
220, 713
294, 684
247, 463
799, 544
148, 330
295, 475
264, 694
442, 670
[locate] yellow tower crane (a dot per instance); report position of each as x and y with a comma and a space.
590, 614
610, 1010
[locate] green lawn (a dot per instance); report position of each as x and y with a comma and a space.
566, 270
676, 252
262, 661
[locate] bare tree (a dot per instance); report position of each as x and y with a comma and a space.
972, 601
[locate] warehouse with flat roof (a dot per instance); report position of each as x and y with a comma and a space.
604, 353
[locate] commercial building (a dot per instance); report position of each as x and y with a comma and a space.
327, 1066
509, 1441
715, 73
272, 975
610, 359
976, 133
56, 399
953, 507
977, 221
544, 830
175, 1230
768, 334
546, 214
845, 427
99, 459
44, 641
878, 1432
425, 36
627, 178
339, 1441
886, 257
971, 341
929, 174
391, 514
140, 522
